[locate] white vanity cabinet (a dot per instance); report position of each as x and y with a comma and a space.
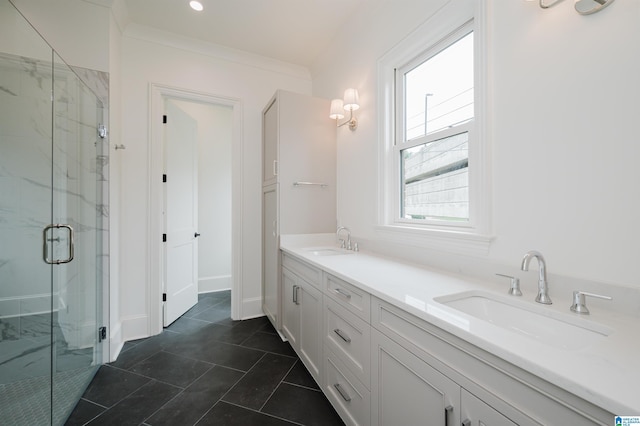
380, 365
298, 181
302, 313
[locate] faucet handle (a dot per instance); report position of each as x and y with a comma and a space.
579, 301
514, 288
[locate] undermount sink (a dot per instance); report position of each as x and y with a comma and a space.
538, 323
328, 251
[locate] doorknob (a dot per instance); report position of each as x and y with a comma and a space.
196, 235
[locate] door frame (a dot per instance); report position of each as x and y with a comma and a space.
157, 93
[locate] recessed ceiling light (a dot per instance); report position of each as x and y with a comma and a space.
196, 5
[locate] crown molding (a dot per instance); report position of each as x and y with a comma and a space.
153, 35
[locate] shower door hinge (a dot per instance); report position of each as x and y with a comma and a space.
164, 297
164, 238
164, 178
164, 119
102, 131
102, 334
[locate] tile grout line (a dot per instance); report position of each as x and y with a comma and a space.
302, 386
278, 386
260, 412
229, 390
178, 394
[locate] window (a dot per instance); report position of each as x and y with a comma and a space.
434, 182
435, 101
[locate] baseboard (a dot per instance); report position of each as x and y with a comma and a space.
212, 284
251, 308
115, 342
135, 327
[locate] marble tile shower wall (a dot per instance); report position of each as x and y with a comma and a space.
80, 168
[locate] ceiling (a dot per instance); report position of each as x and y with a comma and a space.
294, 31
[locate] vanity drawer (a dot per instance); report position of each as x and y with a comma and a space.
349, 337
304, 270
350, 398
349, 296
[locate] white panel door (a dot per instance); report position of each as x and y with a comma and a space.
181, 213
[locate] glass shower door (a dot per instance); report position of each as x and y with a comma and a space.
76, 235
51, 229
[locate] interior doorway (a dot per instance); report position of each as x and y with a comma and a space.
218, 198
197, 202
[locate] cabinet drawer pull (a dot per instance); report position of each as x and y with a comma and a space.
447, 411
342, 392
341, 292
466, 422
295, 294
342, 335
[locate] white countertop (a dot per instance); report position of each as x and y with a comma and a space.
605, 373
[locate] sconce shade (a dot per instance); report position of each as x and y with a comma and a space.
337, 110
351, 102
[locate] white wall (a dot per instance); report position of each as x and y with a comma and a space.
564, 140
78, 30
215, 127
196, 68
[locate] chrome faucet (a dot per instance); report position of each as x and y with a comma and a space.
342, 241
543, 285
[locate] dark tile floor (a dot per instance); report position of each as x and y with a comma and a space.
207, 370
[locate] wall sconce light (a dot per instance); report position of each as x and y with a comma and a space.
350, 103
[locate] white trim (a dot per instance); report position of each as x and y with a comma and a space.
476, 236
115, 342
155, 193
252, 308
134, 327
214, 283
450, 240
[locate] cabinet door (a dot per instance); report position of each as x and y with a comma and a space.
477, 413
270, 296
290, 308
407, 391
310, 339
270, 143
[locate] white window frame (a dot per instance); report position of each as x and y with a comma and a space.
456, 18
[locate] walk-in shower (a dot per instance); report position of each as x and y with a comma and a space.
53, 234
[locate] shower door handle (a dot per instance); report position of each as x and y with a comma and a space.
45, 245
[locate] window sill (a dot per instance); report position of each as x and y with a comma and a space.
454, 241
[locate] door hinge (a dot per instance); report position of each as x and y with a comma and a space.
164, 119
102, 334
164, 238
164, 178
164, 297
102, 131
